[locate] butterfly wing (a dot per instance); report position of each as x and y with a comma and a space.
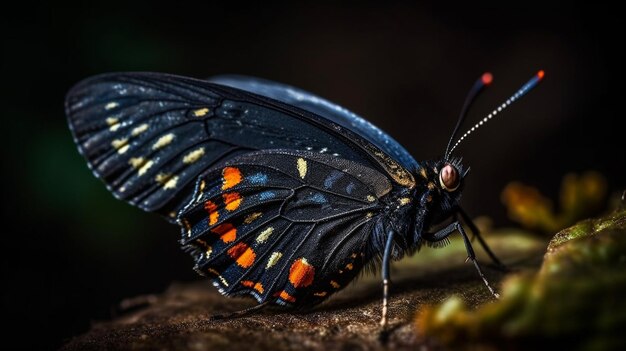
148, 136
310, 102
258, 224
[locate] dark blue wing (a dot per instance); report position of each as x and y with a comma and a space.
148, 135
324, 108
285, 226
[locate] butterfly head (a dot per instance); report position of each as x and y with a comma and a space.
443, 185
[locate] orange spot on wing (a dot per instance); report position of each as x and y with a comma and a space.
232, 201
320, 294
232, 177
285, 296
256, 286
349, 266
211, 208
243, 254
301, 273
226, 231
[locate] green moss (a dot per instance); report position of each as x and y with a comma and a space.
575, 300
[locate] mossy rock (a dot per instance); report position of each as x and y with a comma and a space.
575, 301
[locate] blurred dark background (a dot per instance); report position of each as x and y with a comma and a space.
71, 251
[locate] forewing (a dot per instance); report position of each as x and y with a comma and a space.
310, 102
148, 136
284, 226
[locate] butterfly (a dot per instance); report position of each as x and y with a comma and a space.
280, 195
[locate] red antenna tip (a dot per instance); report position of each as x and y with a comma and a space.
487, 78
540, 74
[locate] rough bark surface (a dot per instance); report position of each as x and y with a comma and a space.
179, 318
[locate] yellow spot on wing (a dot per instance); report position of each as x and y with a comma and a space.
320, 294
403, 201
218, 275
137, 162
193, 156
431, 186
146, 166
187, 226
163, 141
118, 143
171, 184
302, 167
423, 173
111, 105
209, 251
252, 217
201, 189
201, 112
121, 145
265, 234
370, 198
167, 180
112, 121
273, 259
140, 129
115, 127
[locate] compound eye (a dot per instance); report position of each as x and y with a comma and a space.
449, 178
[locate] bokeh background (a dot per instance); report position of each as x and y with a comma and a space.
71, 252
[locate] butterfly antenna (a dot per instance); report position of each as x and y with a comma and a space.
478, 86
518, 94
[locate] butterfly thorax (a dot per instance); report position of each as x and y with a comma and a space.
412, 212
434, 202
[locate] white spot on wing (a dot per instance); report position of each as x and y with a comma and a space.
111, 105
273, 259
265, 234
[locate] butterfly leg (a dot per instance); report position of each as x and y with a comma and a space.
482, 241
385, 274
471, 256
